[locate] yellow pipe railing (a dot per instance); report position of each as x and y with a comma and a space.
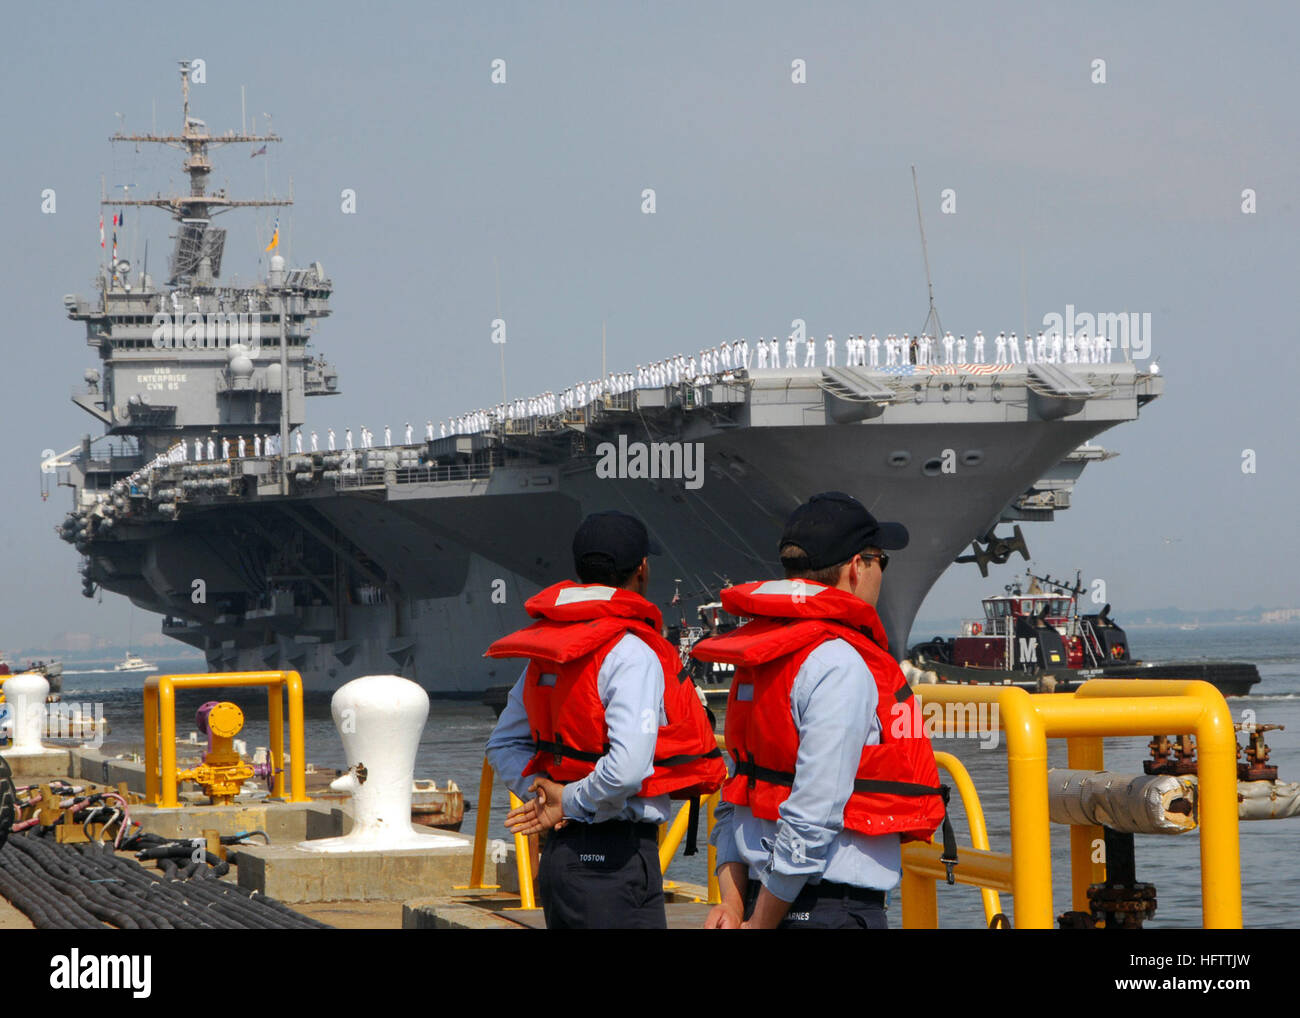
1102, 707
523, 861
1085, 753
711, 853
671, 836
979, 832
481, 832
160, 729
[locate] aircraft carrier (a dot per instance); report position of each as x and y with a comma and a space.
410, 559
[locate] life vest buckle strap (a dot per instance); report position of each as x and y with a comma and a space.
755, 773
685, 758
559, 751
869, 785
949, 856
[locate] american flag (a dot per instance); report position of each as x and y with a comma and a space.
967, 369
899, 369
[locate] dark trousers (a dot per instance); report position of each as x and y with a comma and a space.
827, 906
602, 877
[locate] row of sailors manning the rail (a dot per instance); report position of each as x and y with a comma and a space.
829, 771
1046, 348
720, 360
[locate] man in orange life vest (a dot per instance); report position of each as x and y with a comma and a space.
817, 845
611, 727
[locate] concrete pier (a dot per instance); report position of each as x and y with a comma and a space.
291, 875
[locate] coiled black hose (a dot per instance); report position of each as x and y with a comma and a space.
89, 887
8, 801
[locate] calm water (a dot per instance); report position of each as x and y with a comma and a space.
453, 741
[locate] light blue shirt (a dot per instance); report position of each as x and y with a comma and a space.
833, 703
630, 684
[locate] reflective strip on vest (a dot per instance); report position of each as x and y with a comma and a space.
789, 588
577, 595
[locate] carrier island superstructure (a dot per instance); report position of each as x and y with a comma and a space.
410, 559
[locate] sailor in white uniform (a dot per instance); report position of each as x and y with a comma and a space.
347, 439
198, 448
873, 345
762, 353
947, 347
1013, 350
225, 448
242, 447
979, 348
810, 352
1000, 347
961, 350
830, 350
211, 449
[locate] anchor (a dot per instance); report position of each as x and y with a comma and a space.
996, 550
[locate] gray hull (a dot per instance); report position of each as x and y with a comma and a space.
456, 559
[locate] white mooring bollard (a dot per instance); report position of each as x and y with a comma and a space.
25, 693
380, 719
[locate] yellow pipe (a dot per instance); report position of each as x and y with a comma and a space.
1085, 753
976, 868
1216, 747
979, 834
297, 737
275, 721
1110, 707
673, 838
160, 708
167, 736
920, 896
1027, 788
523, 863
151, 740
1030, 825
481, 826
711, 853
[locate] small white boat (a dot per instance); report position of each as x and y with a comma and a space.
132, 663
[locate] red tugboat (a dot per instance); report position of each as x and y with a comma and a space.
1035, 638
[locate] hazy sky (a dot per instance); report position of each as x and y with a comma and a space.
775, 200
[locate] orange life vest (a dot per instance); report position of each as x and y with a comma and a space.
896, 788
577, 627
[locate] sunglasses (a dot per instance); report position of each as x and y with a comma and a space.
879, 556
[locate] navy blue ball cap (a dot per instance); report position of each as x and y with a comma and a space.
621, 538
833, 527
